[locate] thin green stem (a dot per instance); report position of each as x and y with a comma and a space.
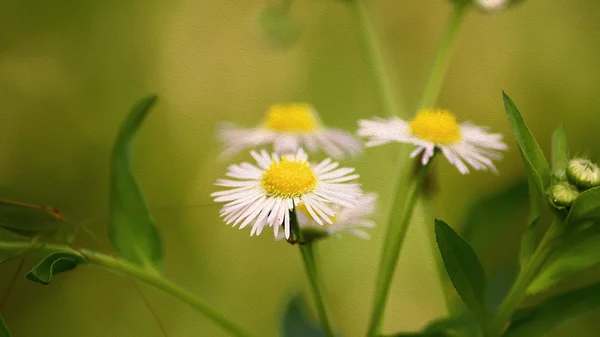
375, 58
310, 266
396, 232
145, 275
519, 289
442, 57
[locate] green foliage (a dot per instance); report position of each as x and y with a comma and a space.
33, 221
560, 152
534, 159
131, 228
577, 252
528, 241
53, 264
3, 329
549, 314
463, 267
463, 324
585, 208
296, 321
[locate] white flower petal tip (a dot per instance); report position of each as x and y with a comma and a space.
464, 145
288, 128
263, 194
353, 220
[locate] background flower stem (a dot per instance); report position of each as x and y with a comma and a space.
375, 59
394, 239
310, 266
139, 273
442, 57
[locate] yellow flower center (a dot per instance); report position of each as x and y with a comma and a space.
437, 126
289, 179
302, 209
295, 117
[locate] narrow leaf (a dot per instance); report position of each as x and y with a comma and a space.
580, 251
296, 321
132, 230
532, 153
551, 313
3, 329
463, 267
53, 264
585, 208
560, 155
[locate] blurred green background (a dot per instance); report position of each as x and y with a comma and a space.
70, 70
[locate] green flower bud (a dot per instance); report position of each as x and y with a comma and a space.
559, 175
564, 194
583, 173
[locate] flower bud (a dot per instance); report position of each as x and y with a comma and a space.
559, 175
564, 194
583, 173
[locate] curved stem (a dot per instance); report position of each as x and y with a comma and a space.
442, 57
519, 289
375, 58
310, 266
394, 239
145, 275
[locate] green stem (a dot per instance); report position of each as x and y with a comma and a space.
519, 289
375, 58
310, 266
394, 239
145, 275
442, 57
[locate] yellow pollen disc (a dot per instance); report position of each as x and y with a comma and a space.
302, 209
295, 117
437, 126
289, 179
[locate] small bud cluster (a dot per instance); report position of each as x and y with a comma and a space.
580, 175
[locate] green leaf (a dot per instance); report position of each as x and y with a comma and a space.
551, 313
53, 264
31, 220
296, 321
131, 228
3, 329
560, 152
532, 153
463, 324
463, 267
585, 208
579, 251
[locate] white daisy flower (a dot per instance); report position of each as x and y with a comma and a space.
290, 127
348, 219
492, 5
265, 194
461, 144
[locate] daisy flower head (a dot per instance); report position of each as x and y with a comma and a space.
351, 220
264, 194
461, 144
289, 127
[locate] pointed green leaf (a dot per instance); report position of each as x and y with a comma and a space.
131, 228
551, 313
532, 153
585, 208
463, 267
560, 152
296, 321
462, 324
3, 329
53, 264
580, 251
